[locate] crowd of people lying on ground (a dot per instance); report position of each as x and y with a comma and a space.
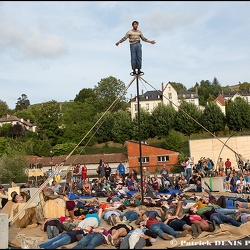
159, 213
162, 215
135, 223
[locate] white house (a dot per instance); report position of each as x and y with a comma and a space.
223, 98
167, 96
14, 120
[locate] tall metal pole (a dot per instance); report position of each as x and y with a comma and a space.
139, 135
51, 161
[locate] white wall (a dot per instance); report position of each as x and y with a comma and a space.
213, 147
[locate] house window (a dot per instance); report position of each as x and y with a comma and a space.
169, 88
163, 158
158, 96
147, 106
169, 95
146, 96
136, 107
144, 159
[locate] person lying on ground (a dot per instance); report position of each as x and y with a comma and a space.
221, 200
181, 225
142, 216
91, 219
242, 217
131, 214
112, 214
193, 218
52, 226
64, 238
121, 229
162, 229
138, 238
242, 204
95, 237
205, 202
131, 202
209, 213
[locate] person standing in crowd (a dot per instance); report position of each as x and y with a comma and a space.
228, 166
188, 169
220, 165
75, 172
79, 167
84, 172
134, 37
121, 170
103, 170
3, 196
57, 176
107, 170
183, 167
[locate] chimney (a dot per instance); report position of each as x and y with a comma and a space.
130, 96
142, 92
196, 90
162, 87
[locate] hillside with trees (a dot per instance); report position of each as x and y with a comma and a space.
101, 115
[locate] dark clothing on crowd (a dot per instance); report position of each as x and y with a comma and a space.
55, 222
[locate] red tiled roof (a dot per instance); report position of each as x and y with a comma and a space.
13, 118
221, 100
74, 159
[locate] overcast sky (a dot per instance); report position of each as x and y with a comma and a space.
51, 50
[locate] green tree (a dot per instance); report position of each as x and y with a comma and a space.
64, 149
107, 91
145, 125
26, 114
22, 102
122, 126
215, 88
77, 120
4, 109
238, 114
213, 118
245, 86
104, 127
207, 91
16, 131
5, 129
84, 94
13, 165
162, 120
48, 120
174, 140
178, 86
42, 147
3, 145
187, 117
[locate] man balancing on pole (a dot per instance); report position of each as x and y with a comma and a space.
134, 37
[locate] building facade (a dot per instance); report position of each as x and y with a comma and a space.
20, 121
153, 158
166, 96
